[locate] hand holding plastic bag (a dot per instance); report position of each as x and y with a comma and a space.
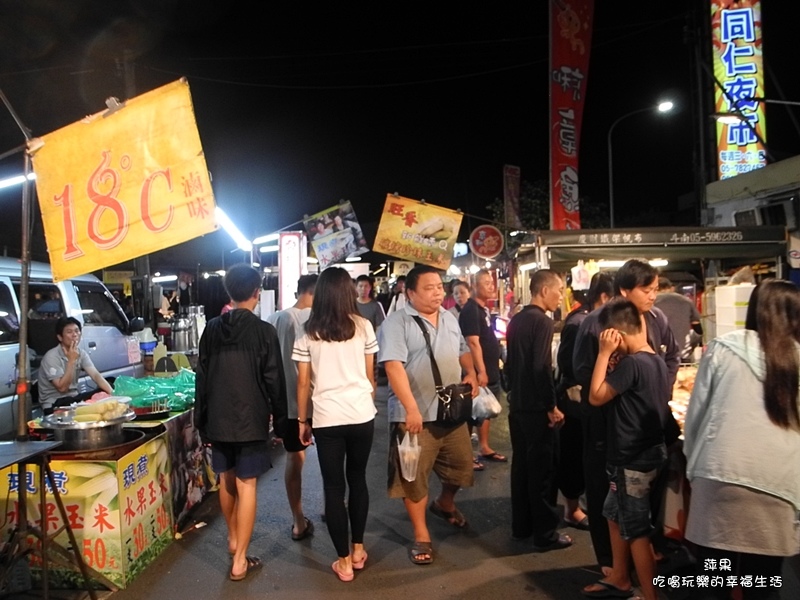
409, 451
485, 405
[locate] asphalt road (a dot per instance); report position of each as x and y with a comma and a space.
479, 562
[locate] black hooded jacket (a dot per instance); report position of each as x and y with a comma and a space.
240, 380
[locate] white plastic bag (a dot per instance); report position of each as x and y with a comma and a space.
409, 451
485, 405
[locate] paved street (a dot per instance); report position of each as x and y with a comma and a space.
481, 562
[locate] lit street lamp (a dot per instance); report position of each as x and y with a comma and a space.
662, 107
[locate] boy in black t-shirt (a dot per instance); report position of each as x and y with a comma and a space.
638, 390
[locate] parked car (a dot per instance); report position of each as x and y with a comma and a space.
106, 330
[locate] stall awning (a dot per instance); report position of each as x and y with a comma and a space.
673, 244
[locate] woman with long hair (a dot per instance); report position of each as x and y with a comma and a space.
335, 358
742, 443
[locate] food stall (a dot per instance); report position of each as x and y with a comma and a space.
126, 492
709, 253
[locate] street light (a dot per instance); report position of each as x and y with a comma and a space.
662, 107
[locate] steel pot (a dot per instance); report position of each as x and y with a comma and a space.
87, 436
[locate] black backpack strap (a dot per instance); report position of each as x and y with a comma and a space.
437, 377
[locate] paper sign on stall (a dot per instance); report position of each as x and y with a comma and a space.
416, 231
123, 183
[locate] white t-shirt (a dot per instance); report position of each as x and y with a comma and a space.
341, 391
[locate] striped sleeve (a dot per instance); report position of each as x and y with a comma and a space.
300, 351
371, 342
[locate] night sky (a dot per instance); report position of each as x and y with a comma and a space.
300, 107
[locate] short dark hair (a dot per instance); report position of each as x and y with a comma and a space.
664, 284
241, 281
622, 314
457, 282
306, 284
542, 278
64, 321
634, 273
414, 274
602, 283
370, 281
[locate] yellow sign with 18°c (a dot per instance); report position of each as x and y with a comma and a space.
123, 183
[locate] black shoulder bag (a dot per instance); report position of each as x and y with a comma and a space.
454, 402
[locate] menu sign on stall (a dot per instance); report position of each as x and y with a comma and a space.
123, 183
417, 231
119, 511
335, 235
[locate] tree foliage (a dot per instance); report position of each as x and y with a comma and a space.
534, 205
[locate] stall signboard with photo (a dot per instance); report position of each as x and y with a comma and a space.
119, 510
335, 234
123, 183
417, 231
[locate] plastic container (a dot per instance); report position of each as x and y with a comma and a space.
733, 295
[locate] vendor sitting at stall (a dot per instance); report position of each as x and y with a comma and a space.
58, 372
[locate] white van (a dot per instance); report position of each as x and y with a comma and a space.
106, 330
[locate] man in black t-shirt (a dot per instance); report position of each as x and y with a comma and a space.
533, 416
475, 322
637, 392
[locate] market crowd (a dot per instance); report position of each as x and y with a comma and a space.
597, 427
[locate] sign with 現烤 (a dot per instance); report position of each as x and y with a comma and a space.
123, 183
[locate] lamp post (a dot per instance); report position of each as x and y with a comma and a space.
662, 107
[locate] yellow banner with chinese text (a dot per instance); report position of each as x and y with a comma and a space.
417, 231
123, 183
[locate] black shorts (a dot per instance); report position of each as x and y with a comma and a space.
247, 460
291, 441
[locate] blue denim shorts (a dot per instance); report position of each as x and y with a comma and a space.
630, 486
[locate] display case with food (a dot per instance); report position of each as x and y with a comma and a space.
681, 392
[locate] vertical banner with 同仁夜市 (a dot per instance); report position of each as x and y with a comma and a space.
738, 67
570, 45
511, 183
124, 183
335, 235
417, 231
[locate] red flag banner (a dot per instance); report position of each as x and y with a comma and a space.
570, 44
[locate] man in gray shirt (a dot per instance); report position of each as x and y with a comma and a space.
289, 324
682, 315
59, 369
412, 404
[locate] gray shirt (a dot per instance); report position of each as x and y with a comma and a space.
53, 366
400, 338
681, 313
372, 311
289, 325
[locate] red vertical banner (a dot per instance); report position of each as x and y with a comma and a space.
570, 45
511, 177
